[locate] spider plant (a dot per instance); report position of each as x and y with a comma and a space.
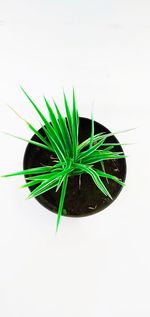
72, 158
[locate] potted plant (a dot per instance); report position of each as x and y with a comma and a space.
72, 165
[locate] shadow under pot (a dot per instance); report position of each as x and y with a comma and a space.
83, 198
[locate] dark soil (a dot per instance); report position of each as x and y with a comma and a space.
83, 198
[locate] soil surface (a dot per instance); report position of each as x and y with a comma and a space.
82, 198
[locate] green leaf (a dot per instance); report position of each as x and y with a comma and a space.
64, 131
37, 109
39, 135
103, 168
46, 176
55, 143
29, 141
92, 131
61, 203
47, 179
95, 178
42, 177
31, 183
92, 149
43, 187
30, 126
56, 126
107, 175
61, 179
99, 136
86, 142
35, 170
68, 114
101, 157
107, 149
48, 136
75, 127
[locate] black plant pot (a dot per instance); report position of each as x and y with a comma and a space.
86, 199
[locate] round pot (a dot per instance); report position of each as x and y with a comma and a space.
83, 198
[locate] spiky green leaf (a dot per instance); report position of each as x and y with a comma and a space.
61, 202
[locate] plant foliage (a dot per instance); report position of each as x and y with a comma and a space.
72, 158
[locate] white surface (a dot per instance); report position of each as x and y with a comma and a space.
95, 266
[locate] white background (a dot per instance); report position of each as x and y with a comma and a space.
95, 266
